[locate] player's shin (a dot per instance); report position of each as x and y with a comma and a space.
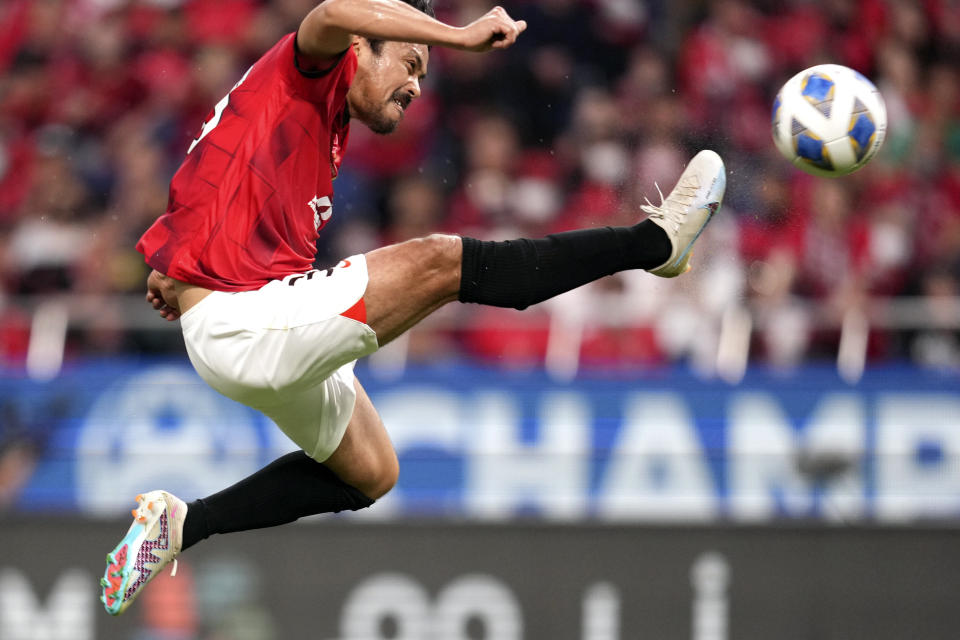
290, 487
519, 273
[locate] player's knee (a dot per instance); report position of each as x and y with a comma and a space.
383, 478
443, 250
389, 474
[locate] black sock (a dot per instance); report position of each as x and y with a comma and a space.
519, 273
290, 487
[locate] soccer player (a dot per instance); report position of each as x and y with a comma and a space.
232, 260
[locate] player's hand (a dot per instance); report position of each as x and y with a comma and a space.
494, 30
162, 295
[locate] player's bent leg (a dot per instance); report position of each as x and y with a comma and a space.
298, 485
291, 487
365, 458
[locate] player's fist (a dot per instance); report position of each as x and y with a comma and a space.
493, 30
162, 295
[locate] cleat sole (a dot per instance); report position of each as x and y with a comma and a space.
129, 564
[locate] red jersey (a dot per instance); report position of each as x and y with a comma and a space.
257, 184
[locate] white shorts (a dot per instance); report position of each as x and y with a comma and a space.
288, 350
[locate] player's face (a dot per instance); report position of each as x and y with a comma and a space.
387, 83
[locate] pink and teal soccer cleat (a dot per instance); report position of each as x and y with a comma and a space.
152, 541
686, 211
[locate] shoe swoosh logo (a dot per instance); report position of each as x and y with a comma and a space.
147, 554
712, 207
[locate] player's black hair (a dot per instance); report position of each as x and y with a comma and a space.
423, 5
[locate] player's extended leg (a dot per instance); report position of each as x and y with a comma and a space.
408, 281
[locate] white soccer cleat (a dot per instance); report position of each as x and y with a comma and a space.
686, 211
152, 541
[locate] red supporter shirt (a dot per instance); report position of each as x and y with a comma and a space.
257, 185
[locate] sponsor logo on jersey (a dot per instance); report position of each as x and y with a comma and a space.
322, 210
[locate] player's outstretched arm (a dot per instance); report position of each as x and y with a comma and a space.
328, 29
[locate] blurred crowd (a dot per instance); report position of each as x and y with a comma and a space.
598, 102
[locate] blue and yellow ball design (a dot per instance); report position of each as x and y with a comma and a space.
828, 120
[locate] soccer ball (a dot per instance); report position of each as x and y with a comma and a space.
829, 120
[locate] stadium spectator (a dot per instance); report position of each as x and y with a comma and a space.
132, 78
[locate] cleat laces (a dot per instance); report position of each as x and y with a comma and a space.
673, 209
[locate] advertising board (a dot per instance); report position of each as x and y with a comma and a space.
341, 580
660, 446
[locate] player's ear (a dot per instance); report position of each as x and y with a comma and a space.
355, 43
